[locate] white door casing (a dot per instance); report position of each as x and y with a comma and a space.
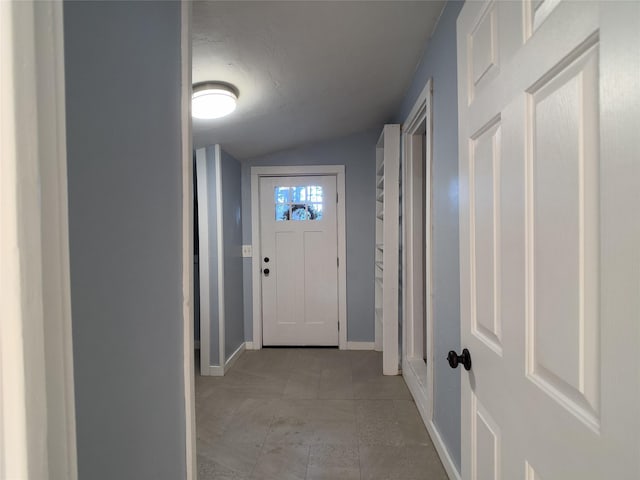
549, 239
417, 321
256, 263
37, 403
417, 233
188, 367
299, 255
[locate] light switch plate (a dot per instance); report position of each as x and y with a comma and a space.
247, 251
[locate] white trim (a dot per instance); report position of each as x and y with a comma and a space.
203, 260
219, 371
256, 291
360, 345
37, 408
389, 147
412, 236
290, 171
429, 242
204, 202
58, 330
419, 107
213, 371
443, 453
234, 356
208, 365
417, 389
187, 243
342, 256
249, 346
220, 245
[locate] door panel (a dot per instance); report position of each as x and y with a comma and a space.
484, 180
483, 48
283, 266
486, 444
549, 233
298, 222
562, 180
317, 269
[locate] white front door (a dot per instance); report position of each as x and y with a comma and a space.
550, 239
299, 260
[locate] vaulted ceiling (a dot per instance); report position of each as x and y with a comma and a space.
306, 71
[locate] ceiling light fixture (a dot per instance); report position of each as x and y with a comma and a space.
213, 100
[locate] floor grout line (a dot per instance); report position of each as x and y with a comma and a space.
306, 470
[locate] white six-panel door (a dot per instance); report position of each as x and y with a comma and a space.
299, 255
549, 232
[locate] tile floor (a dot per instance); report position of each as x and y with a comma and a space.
311, 414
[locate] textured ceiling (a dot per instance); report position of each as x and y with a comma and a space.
306, 71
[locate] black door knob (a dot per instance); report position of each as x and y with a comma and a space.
266, 259
454, 359
266, 272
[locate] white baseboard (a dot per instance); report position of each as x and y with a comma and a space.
218, 371
417, 392
350, 346
445, 458
360, 345
214, 371
234, 356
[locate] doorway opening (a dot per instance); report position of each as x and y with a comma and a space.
417, 321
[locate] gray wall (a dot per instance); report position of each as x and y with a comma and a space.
439, 62
212, 221
122, 67
232, 247
232, 251
357, 153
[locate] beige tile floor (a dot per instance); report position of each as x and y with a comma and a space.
314, 414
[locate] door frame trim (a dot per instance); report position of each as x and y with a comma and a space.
186, 154
35, 298
421, 376
295, 171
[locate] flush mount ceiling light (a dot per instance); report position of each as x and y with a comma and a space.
213, 100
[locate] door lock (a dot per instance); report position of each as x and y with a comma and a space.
266, 272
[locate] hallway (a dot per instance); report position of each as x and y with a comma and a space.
304, 413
